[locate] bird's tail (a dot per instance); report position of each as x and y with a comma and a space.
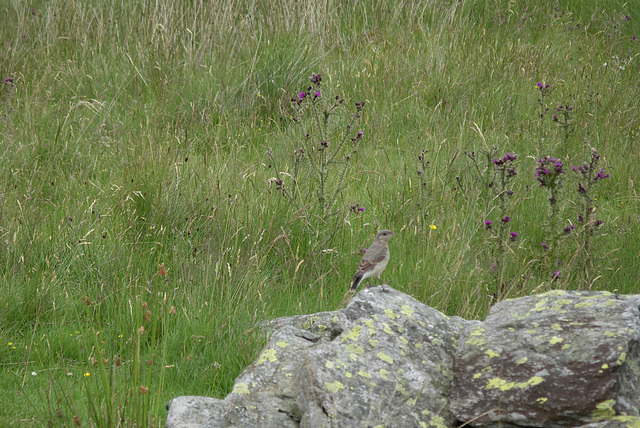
356, 281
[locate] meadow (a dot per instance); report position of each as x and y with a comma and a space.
172, 173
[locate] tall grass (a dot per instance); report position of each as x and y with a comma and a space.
143, 237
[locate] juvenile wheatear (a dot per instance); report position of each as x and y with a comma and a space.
375, 259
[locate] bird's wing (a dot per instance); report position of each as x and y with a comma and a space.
368, 263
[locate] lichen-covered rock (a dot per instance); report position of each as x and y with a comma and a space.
385, 360
560, 359
556, 359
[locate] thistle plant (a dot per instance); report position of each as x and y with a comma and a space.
589, 175
563, 118
544, 90
322, 154
498, 178
548, 173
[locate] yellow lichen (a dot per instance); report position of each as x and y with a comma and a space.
240, 388
364, 374
267, 354
407, 311
384, 357
555, 339
476, 341
491, 354
542, 400
354, 348
584, 304
522, 360
282, 344
353, 334
390, 314
477, 332
333, 386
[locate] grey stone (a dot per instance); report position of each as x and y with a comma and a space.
556, 359
560, 359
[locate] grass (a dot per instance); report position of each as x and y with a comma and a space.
143, 237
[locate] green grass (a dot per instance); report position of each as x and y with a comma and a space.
135, 134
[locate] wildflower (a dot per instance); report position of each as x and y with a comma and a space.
361, 209
556, 274
514, 236
506, 219
544, 246
87, 374
8, 80
540, 85
316, 94
487, 224
433, 226
601, 174
553, 199
316, 78
581, 189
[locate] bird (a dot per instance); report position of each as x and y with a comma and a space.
374, 260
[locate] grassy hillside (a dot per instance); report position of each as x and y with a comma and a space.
164, 186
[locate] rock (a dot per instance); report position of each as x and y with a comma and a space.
553, 360
556, 359
384, 359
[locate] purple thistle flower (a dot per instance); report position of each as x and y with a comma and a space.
514, 236
506, 219
540, 85
581, 189
317, 94
556, 274
544, 246
8, 80
487, 224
